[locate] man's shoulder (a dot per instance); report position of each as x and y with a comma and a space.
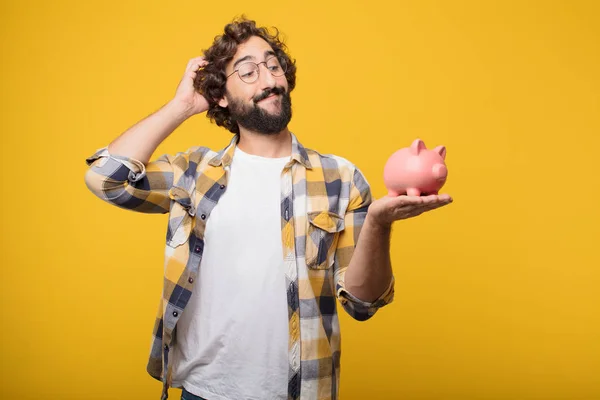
193, 154
340, 166
326, 160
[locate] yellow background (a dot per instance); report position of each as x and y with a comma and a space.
497, 295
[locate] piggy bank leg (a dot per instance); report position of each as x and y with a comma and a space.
413, 192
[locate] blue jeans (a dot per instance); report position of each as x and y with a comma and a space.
185, 395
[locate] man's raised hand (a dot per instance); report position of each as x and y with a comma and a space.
186, 96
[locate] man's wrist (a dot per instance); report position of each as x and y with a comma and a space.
179, 110
376, 225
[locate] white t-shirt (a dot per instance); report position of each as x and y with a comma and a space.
232, 338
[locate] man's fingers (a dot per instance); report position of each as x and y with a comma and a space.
403, 205
435, 201
404, 200
195, 63
432, 198
202, 63
189, 64
444, 199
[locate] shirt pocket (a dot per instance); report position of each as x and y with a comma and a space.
181, 217
322, 235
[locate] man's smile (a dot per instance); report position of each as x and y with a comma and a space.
271, 96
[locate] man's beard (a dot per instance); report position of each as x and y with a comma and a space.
256, 119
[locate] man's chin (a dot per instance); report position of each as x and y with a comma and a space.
273, 109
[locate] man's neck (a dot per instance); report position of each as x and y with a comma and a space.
269, 146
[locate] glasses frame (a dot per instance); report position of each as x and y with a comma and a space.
258, 69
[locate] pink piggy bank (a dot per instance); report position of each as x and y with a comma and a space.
415, 171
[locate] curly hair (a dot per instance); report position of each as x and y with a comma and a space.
211, 80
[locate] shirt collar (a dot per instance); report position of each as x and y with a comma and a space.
225, 156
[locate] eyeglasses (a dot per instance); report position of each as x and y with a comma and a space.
250, 71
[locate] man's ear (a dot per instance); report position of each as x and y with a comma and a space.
223, 102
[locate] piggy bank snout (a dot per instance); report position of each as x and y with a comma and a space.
440, 172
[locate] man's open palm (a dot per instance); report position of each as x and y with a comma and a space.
389, 209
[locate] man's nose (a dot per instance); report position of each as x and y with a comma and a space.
267, 80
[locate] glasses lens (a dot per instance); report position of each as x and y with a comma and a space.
248, 72
276, 66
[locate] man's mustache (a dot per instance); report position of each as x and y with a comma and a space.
268, 92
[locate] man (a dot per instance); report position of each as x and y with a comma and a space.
262, 236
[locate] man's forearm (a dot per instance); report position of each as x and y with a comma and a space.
141, 140
370, 271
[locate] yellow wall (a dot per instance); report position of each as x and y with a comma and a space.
497, 294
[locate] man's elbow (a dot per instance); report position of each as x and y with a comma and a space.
94, 182
101, 186
359, 312
360, 309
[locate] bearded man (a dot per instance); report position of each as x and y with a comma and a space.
263, 236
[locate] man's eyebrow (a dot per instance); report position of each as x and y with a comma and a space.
249, 57
239, 60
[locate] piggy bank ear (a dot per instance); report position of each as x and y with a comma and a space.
441, 150
417, 146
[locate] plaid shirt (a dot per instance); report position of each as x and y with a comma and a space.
324, 201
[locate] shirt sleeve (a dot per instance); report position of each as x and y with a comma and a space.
128, 183
360, 199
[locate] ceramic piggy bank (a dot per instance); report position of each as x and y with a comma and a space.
415, 171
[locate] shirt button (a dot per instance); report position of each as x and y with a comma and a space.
197, 249
175, 313
166, 347
222, 186
203, 216
191, 280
